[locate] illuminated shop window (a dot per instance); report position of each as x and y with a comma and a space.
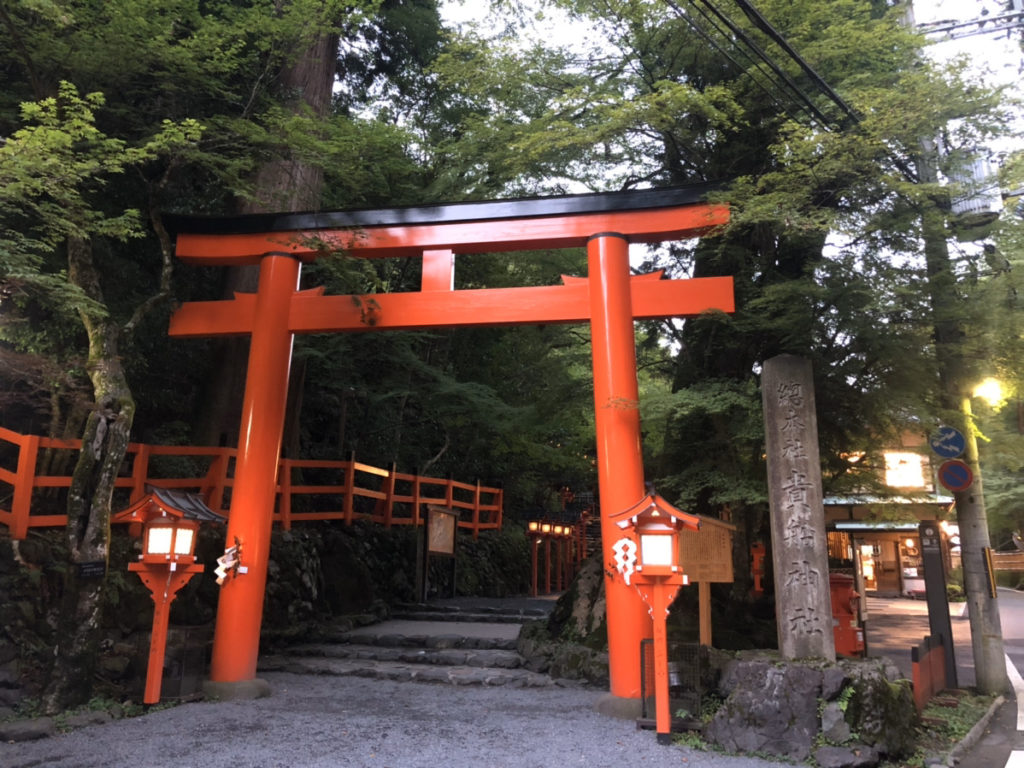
905, 470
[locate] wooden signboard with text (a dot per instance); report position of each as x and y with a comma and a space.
442, 523
706, 557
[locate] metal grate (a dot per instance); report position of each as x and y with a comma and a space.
684, 691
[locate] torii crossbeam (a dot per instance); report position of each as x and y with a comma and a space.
608, 298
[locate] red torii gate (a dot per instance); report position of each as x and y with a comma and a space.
610, 299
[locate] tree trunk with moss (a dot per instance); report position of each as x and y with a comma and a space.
104, 445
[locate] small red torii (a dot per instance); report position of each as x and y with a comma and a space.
609, 299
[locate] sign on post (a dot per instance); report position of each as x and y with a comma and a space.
438, 540
935, 593
948, 442
955, 475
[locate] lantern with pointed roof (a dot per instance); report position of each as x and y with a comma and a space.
170, 524
654, 523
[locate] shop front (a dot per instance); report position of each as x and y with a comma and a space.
884, 555
887, 556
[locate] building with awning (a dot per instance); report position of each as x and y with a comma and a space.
875, 535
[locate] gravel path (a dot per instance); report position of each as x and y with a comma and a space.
316, 722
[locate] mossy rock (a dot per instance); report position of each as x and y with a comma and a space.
881, 710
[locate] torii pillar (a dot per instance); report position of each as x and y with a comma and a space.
620, 471
610, 299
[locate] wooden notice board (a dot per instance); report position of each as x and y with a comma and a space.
706, 556
438, 540
441, 525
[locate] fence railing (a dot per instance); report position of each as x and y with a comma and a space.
307, 490
1008, 561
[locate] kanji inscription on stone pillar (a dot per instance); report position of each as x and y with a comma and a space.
802, 601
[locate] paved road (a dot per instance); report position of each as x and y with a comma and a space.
895, 625
1002, 744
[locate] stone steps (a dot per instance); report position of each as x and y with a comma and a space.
467, 644
407, 672
413, 654
417, 612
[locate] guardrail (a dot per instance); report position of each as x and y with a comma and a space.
328, 490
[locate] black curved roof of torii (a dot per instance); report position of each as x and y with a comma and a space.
446, 213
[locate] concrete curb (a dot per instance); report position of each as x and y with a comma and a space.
974, 735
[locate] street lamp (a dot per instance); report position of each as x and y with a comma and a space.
990, 390
570, 555
647, 556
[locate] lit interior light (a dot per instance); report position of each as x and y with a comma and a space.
656, 549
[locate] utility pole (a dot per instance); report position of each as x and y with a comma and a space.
955, 384
955, 392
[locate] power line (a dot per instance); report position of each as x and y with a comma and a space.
765, 26
702, 33
753, 46
954, 30
784, 81
762, 23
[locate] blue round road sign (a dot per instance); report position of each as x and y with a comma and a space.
955, 475
948, 442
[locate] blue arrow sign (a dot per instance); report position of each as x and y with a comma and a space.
948, 442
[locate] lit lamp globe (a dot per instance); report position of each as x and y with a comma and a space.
169, 539
659, 555
990, 390
653, 525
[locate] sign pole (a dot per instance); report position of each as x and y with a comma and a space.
935, 593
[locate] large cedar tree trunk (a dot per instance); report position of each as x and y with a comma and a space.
287, 183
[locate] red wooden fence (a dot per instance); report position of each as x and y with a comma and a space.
391, 497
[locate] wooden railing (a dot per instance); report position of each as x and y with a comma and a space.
329, 490
1008, 561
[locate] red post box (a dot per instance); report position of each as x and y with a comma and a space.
846, 627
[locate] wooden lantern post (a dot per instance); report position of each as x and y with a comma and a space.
648, 557
170, 528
